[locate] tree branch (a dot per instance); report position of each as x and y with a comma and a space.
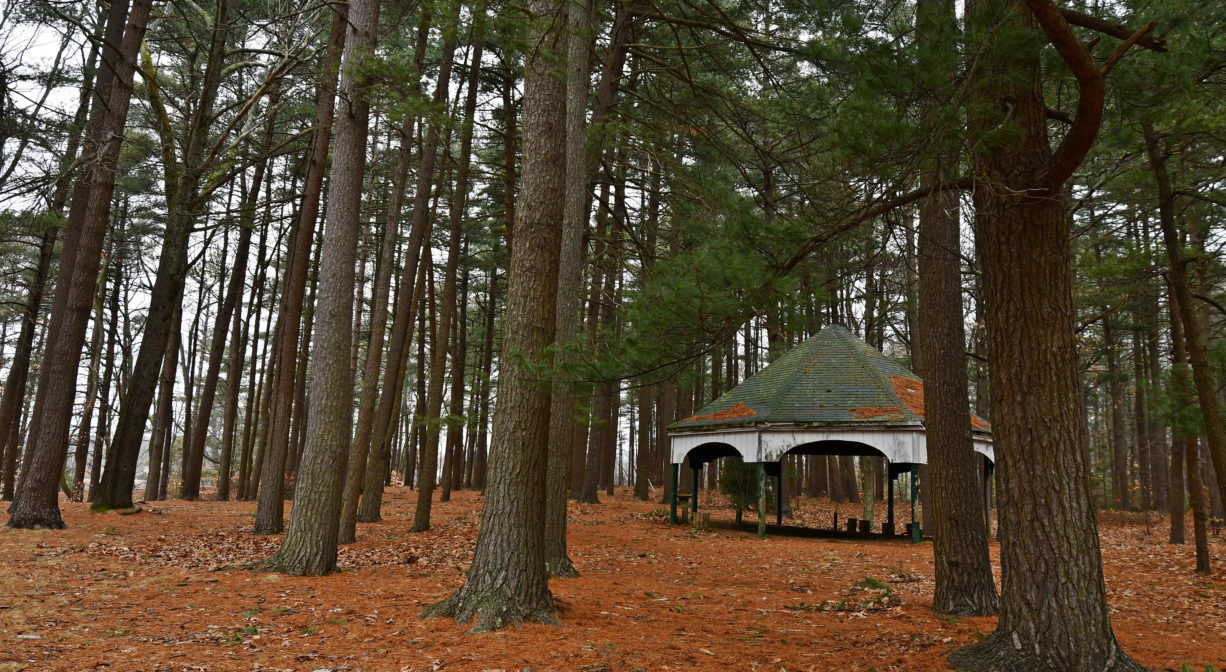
1085, 324
1107, 28
1123, 48
1090, 94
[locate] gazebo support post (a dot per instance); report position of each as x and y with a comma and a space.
761, 500
696, 472
889, 499
779, 495
673, 477
916, 532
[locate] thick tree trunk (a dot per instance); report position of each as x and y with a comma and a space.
964, 584
1053, 613
507, 582
162, 418
35, 503
310, 545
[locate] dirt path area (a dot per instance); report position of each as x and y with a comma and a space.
163, 590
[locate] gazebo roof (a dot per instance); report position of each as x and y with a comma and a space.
833, 379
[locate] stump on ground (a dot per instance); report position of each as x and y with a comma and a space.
851, 524
866, 526
702, 521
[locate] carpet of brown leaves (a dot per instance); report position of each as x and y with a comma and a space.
164, 590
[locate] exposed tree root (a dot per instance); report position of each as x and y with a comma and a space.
1002, 652
561, 568
29, 520
490, 610
295, 562
985, 603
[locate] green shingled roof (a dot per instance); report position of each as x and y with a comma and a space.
832, 379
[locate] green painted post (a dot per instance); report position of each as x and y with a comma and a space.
916, 532
673, 477
761, 500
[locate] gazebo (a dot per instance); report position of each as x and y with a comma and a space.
831, 395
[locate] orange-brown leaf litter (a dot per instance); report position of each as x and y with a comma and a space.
910, 392
737, 410
873, 412
164, 590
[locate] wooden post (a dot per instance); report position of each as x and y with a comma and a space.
696, 470
779, 495
761, 500
916, 532
673, 478
889, 510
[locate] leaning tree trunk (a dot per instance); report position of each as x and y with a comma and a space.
184, 203
444, 336
369, 510
1053, 611
310, 545
35, 504
507, 582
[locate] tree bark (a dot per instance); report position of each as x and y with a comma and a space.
310, 545
269, 517
184, 203
35, 502
1053, 613
507, 582
369, 508
964, 583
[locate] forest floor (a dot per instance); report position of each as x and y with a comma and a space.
163, 589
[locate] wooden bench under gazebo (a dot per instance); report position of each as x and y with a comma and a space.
831, 395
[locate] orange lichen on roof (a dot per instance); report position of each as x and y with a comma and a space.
871, 412
910, 392
979, 423
738, 410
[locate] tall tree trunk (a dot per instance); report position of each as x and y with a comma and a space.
310, 545
438, 362
570, 284
1190, 313
35, 502
369, 509
1053, 613
184, 203
355, 474
964, 583
269, 517
507, 582
225, 312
